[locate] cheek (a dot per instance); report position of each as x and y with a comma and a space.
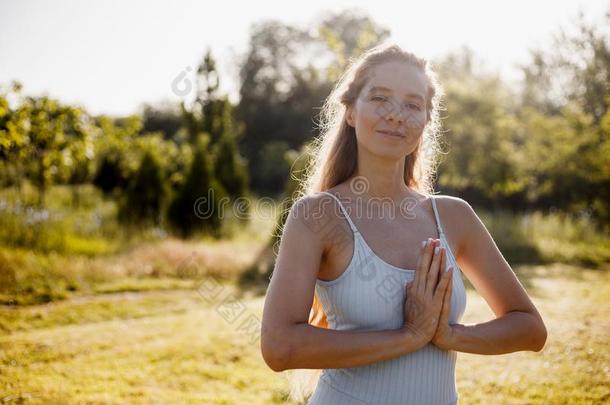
415, 121
368, 117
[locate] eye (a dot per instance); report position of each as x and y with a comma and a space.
414, 106
378, 98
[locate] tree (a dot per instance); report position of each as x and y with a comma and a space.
115, 162
53, 133
577, 69
565, 98
165, 118
208, 82
145, 196
230, 170
347, 34
14, 124
483, 160
196, 206
285, 77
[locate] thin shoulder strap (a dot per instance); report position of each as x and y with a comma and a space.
351, 224
438, 220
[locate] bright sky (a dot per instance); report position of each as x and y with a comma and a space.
110, 56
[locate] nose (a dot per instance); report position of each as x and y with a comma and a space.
396, 114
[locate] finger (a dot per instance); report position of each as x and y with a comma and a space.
447, 301
422, 271
433, 268
413, 283
433, 275
422, 249
419, 270
439, 293
408, 286
442, 268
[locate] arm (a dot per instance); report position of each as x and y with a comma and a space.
288, 341
518, 325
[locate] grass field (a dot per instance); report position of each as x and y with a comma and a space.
90, 317
187, 346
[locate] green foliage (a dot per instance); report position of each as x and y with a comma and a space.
196, 206
483, 161
111, 173
164, 118
346, 35
86, 226
214, 116
116, 158
274, 164
43, 140
230, 170
145, 196
546, 148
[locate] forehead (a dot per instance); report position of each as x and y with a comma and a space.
399, 78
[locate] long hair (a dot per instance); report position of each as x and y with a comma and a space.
333, 157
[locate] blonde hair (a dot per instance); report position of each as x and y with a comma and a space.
333, 157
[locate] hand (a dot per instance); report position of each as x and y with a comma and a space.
425, 293
445, 332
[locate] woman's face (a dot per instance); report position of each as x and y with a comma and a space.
389, 115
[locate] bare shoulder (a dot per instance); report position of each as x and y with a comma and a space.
452, 207
313, 209
316, 215
458, 219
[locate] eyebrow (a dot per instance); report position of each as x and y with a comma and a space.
388, 90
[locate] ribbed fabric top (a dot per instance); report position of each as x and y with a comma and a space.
370, 295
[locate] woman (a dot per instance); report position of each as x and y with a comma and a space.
381, 257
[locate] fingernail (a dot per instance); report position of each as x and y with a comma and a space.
436, 250
423, 243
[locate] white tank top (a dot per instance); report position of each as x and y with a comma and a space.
370, 295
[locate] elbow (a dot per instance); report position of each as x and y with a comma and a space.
273, 361
539, 335
275, 354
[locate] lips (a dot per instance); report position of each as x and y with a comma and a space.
391, 134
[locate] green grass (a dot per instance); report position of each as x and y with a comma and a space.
174, 347
92, 314
144, 348
547, 238
76, 246
574, 366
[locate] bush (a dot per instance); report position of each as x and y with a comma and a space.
196, 206
146, 193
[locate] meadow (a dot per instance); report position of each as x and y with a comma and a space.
106, 319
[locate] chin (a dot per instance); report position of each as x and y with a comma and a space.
390, 153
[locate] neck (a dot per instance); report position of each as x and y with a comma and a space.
384, 177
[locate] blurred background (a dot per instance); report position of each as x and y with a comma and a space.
149, 150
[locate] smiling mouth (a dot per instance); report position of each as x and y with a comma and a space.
392, 134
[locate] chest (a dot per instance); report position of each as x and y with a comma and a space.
395, 240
